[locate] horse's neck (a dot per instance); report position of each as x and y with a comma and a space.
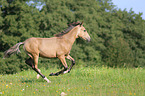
72, 35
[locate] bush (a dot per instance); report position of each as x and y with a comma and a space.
118, 54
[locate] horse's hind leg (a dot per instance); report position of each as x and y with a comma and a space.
33, 63
30, 62
37, 70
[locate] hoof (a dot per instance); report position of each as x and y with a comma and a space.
38, 76
66, 71
47, 80
53, 74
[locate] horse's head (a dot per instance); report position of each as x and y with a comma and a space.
83, 33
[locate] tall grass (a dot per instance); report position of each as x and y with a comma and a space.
79, 82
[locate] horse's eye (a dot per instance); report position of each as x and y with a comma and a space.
84, 30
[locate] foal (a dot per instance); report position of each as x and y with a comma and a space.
55, 47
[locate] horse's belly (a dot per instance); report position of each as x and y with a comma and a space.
47, 53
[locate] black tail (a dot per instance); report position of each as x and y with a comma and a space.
12, 50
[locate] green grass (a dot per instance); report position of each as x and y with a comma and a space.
79, 82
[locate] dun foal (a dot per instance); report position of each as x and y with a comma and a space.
55, 47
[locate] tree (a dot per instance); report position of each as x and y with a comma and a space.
20, 22
118, 54
114, 32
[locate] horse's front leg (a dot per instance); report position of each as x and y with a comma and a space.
62, 59
73, 63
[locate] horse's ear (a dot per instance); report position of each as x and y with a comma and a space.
82, 23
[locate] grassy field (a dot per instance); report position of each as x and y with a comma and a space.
79, 82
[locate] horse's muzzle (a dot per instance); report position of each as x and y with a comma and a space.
88, 39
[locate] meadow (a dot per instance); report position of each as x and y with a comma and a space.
83, 81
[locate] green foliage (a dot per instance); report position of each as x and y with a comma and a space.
118, 54
117, 37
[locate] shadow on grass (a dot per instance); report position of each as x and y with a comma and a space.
27, 81
31, 80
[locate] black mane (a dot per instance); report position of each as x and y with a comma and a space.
70, 27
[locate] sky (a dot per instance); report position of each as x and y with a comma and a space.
136, 5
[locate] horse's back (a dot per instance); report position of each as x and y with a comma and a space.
45, 47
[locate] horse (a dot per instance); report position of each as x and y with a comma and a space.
58, 46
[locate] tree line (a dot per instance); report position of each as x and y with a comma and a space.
117, 36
